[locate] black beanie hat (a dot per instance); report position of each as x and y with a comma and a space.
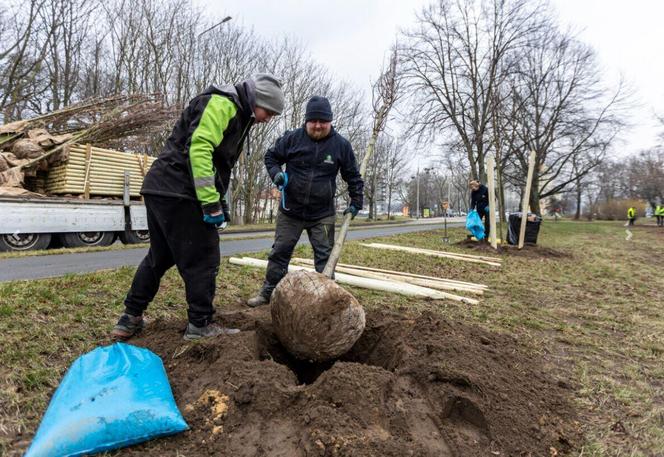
318, 109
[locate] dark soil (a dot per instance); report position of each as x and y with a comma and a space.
528, 250
420, 386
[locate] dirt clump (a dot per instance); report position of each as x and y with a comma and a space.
411, 386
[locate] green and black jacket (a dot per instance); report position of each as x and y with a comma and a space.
207, 140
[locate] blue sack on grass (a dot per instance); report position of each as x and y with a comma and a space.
474, 224
111, 397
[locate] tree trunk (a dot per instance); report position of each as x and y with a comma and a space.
534, 199
577, 215
389, 204
501, 202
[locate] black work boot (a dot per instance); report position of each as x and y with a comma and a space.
127, 327
259, 300
207, 331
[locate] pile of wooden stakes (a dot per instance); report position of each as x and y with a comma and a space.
96, 171
493, 261
386, 280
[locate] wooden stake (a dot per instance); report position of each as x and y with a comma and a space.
434, 284
464, 257
367, 283
492, 202
399, 273
526, 199
86, 179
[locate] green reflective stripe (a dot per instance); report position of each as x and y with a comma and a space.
204, 181
208, 135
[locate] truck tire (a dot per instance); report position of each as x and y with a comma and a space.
86, 239
135, 236
24, 241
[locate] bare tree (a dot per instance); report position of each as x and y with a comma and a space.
453, 62
395, 160
23, 45
644, 177
561, 113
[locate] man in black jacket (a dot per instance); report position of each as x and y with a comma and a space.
184, 200
313, 156
479, 200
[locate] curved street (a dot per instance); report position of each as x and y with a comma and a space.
48, 266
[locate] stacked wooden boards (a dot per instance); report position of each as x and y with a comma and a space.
92, 171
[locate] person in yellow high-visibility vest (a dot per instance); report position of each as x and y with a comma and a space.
631, 215
659, 214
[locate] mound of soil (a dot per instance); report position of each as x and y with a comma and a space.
409, 387
528, 250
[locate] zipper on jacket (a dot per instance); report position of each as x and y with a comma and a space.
310, 180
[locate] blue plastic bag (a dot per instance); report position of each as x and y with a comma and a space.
111, 397
474, 224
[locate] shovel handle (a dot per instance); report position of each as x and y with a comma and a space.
338, 245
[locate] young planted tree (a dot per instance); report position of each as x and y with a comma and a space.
386, 92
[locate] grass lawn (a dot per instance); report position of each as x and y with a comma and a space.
588, 301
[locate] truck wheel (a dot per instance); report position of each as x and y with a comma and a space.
86, 239
135, 236
24, 241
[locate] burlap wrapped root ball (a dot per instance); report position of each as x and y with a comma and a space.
315, 318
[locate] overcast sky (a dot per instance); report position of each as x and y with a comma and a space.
351, 38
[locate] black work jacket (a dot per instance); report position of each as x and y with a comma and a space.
312, 168
479, 199
171, 174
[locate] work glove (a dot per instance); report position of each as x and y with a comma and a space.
352, 210
217, 219
226, 211
279, 179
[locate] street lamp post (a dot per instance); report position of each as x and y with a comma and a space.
417, 185
426, 170
226, 19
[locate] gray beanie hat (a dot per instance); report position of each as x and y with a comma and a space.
268, 92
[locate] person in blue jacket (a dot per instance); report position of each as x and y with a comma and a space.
313, 155
479, 200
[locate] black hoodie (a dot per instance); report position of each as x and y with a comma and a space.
479, 199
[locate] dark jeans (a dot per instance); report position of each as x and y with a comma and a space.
484, 215
632, 220
286, 236
178, 236
660, 220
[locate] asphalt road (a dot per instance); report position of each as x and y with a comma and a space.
48, 266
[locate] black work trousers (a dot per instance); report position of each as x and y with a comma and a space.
178, 236
286, 236
484, 216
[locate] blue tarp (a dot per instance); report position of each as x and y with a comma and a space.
111, 397
474, 224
